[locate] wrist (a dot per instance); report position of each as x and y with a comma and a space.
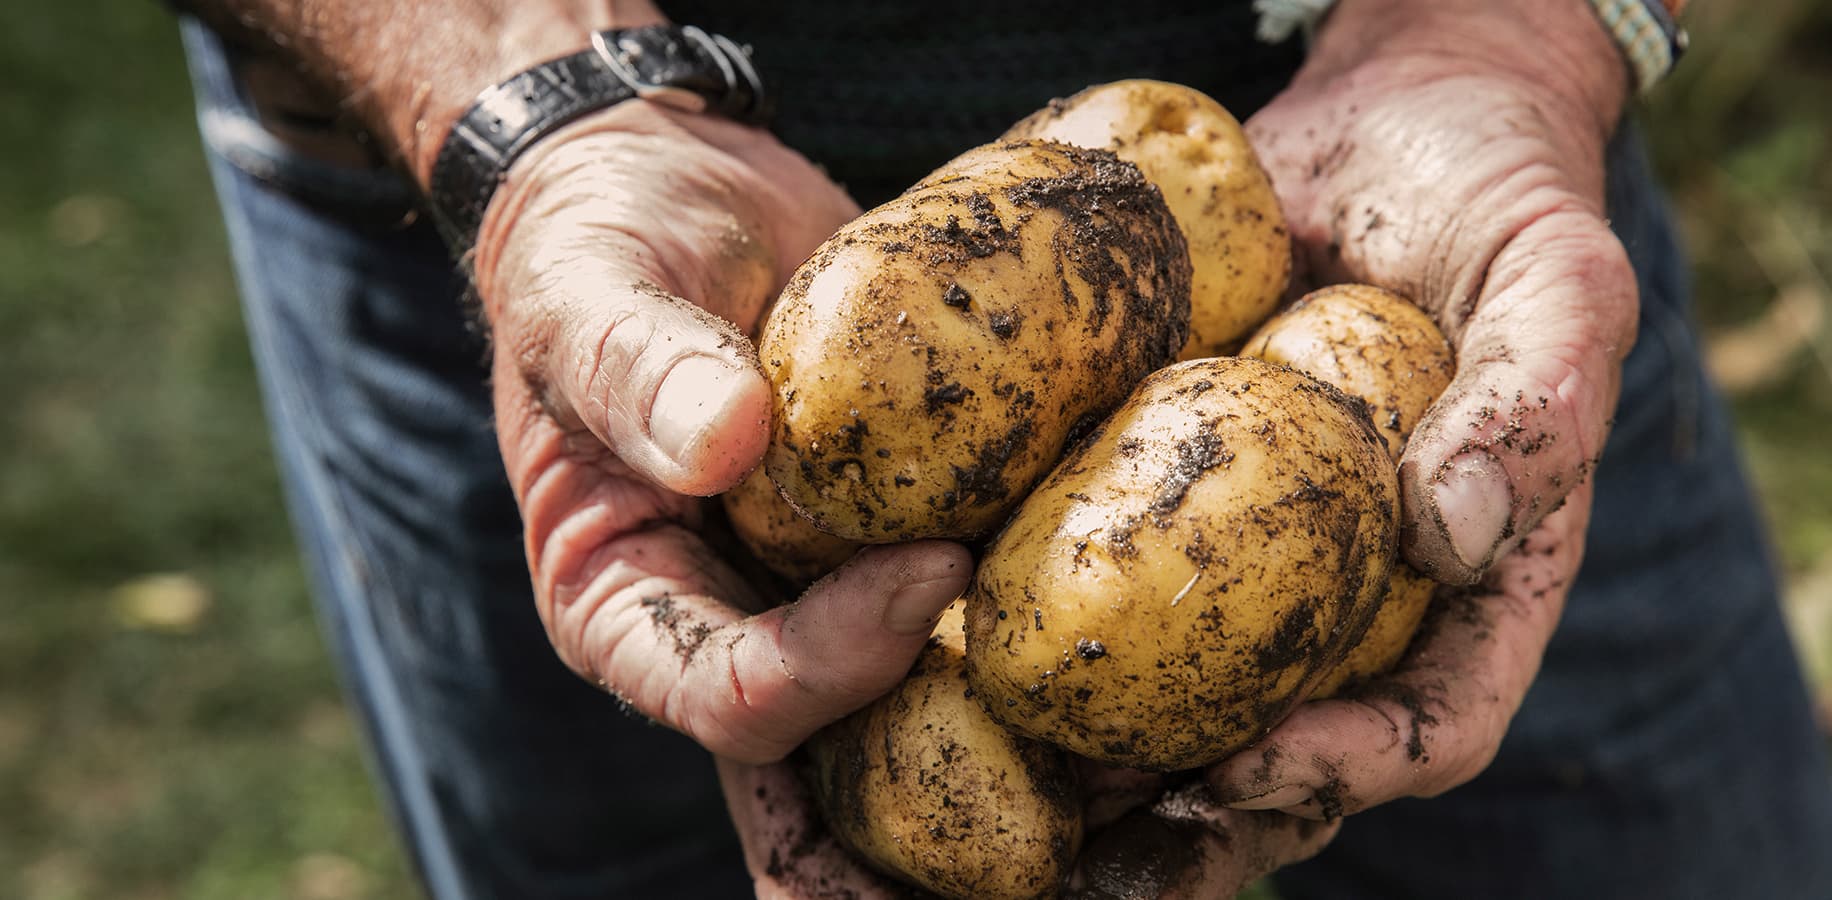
1559, 47
409, 70
422, 100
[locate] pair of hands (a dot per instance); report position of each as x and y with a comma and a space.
1454, 155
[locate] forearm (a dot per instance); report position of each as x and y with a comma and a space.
1560, 44
408, 70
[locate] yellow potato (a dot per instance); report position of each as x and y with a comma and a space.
927, 787
1409, 594
1189, 574
931, 360
1372, 344
779, 538
1379, 347
1195, 152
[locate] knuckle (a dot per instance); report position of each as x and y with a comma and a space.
1472, 746
607, 370
735, 728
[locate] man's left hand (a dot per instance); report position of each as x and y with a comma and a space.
1454, 152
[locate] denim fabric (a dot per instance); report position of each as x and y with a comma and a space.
508, 775
1666, 750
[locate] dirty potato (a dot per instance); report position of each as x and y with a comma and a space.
1380, 348
1372, 344
1190, 572
1197, 154
931, 360
777, 536
1408, 598
927, 787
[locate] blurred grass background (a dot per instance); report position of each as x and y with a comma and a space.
169, 726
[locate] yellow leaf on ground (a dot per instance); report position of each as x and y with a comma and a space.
166, 601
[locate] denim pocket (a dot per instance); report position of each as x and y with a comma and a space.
376, 196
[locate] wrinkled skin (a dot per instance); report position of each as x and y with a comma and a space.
621, 403
1429, 154
1451, 151
592, 306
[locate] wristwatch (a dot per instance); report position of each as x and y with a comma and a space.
1649, 34
678, 66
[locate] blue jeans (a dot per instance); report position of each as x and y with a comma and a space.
1666, 750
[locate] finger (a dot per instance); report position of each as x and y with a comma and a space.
634, 600
1437, 721
755, 688
789, 852
1524, 421
1189, 846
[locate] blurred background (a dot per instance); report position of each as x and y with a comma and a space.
169, 725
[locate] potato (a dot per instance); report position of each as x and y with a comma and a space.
927, 787
932, 359
1190, 573
1408, 598
777, 536
1379, 347
1196, 153
1370, 343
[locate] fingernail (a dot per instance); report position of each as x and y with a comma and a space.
915, 607
688, 404
1277, 798
1474, 502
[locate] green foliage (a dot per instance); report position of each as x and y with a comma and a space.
1741, 133
202, 751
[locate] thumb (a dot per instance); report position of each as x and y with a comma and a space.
672, 389
624, 268
1524, 421
675, 391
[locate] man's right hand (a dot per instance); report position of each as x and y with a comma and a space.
620, 268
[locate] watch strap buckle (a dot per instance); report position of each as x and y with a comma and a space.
679, 73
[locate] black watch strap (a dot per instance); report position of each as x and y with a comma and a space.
679, 66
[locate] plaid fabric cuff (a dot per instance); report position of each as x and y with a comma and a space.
1649, 34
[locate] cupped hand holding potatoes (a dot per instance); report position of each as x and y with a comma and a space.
1454, 152
612, 268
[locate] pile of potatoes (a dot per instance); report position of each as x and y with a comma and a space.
1029, 348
